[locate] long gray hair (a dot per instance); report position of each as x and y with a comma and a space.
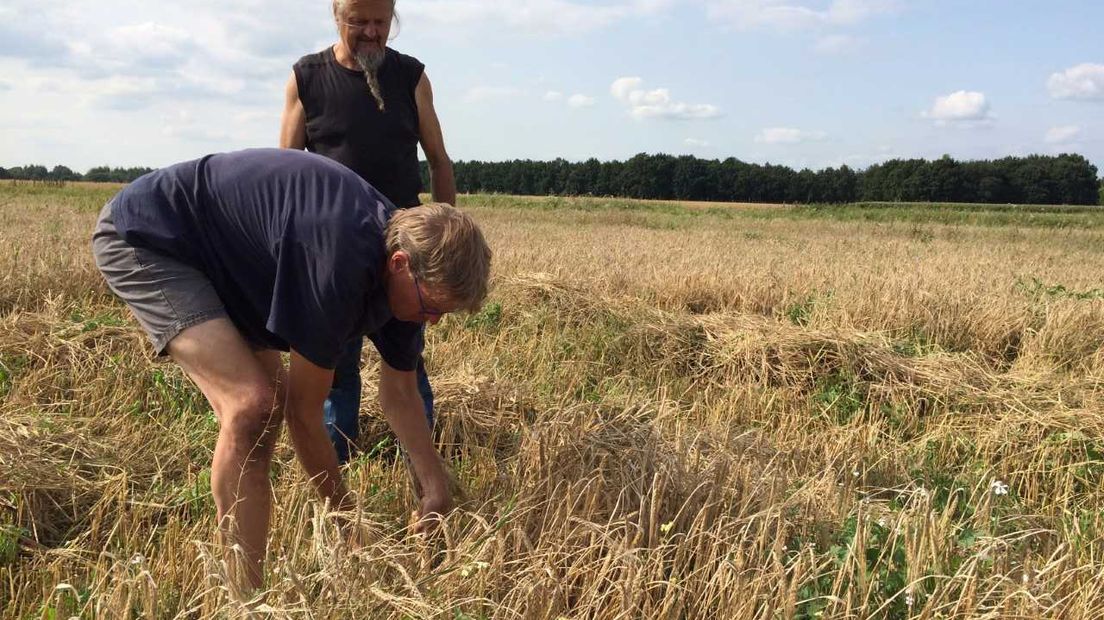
339, 6
369, 66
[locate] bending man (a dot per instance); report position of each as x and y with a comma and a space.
229, 259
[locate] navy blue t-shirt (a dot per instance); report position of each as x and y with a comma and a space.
292, 241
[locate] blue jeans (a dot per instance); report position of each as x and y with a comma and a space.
341, 410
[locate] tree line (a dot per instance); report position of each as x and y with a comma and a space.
61, 174
1034, 179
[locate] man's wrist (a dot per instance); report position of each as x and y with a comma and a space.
433, 478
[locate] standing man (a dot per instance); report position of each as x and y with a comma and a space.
368, 107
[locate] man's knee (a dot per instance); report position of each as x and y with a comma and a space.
252, 419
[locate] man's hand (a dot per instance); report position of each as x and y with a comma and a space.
433, 508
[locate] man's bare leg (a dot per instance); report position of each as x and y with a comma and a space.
243, 388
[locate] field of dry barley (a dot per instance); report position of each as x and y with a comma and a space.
662, 412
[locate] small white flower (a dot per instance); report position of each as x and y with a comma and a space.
909, 600
882, 522
472, 568
855, 473
998, 487
137, 559
1026, 578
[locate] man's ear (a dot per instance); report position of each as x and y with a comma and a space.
398, 262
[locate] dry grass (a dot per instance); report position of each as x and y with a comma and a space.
660, 414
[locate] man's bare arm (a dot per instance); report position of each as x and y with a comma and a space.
308, 386
405, 412
442, 182
293, 122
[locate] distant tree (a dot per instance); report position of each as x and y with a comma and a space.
611, 179
694, 179
133, 173
106, 174
990, 183
4, 174
731, 181
100, 174
947, 181
1075, 179
582, 178
838, 185
35, 173
63, 173
648, 176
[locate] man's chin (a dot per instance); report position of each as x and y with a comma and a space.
370, 52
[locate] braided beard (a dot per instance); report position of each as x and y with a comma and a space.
370, 64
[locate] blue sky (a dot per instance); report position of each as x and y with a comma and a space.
806, 83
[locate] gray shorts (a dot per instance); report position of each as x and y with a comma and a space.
164, 294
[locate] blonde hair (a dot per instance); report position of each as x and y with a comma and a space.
446, 250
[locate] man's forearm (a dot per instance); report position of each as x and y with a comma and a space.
443, 182
406, 417
316, 455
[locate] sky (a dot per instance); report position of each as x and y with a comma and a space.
804, 83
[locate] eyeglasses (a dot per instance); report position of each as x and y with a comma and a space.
426, 312
356, 24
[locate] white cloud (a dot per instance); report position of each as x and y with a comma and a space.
526, 17
787, 135
696, 143
149, 39
960, 107
121, 92
847, 12
580, 101
837, 44
789, 15
182, 124
575, 101
266, 116
479, 94
1062, 134
657, 103
1085, 81
622, 86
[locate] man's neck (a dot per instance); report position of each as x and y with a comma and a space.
344, 56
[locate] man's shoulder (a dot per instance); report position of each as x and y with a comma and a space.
406, 61
316, 59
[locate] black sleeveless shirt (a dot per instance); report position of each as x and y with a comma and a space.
345, 124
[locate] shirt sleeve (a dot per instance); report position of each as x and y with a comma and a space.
315, 304
399, 343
